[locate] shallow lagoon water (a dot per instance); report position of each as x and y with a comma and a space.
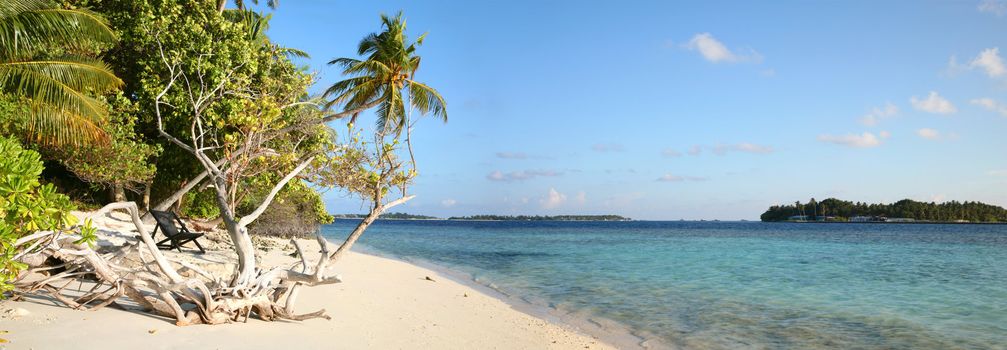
735, 284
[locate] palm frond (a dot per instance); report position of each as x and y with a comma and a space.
388, 64
391, 111
45, 125
368, 44
292, 52
427, 100
27, 26
60, 83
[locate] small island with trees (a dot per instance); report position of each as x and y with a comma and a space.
541, 218
388, 216
903, 211
490, 217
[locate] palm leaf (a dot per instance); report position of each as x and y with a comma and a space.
60, 83
45, 125
27, 26
427, 100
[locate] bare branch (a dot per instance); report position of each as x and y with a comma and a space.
247, 219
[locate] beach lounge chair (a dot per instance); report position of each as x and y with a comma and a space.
176, 236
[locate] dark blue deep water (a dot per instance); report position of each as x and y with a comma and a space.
735, 284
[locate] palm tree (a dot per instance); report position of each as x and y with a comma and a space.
55, 89
383, 77
221, 4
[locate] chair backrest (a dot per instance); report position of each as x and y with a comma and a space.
166, 221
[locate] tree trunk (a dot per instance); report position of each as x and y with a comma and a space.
239, 236
146, 195
176, 198
118, 193
357, 232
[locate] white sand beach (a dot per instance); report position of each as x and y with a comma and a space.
382, 304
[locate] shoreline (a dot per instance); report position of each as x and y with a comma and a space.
383, 303
888, 222
609, 331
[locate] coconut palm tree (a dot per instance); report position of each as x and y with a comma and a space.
40, 67
383, 76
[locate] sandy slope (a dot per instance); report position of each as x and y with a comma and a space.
383, 304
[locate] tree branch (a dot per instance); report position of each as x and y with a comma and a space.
247, 219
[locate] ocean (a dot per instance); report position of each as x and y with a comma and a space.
729, 285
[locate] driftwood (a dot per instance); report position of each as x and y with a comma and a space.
158, 287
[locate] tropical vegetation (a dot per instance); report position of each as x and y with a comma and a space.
48, 65
188, 105
832, 209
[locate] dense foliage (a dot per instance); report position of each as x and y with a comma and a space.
47, 62
298, 211
840, 210
124, 163
227, 47
26, 205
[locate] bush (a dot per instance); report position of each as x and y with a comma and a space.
201, 204
27, 206
297, 211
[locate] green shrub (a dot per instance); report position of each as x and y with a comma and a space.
201, 204
297, 211
27, 206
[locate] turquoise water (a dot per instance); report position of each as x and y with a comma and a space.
739, 284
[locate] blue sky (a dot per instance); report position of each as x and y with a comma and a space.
698, 110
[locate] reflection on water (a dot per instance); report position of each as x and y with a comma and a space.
737, 285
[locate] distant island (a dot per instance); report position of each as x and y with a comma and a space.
390, 216
404, 216
906, 210
542, 218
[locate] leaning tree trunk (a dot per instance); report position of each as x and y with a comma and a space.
239, 236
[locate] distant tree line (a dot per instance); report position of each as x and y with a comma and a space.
543, 218
392, 216
839, 210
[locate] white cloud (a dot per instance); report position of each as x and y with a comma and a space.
744, 147
679, 178
670, 153
511, 155
865, 140
990, 104
753, 148
714, 51
934, 103
878, 113
553, 199
990, 61
603, 148
581, 197
521, 175
885, 134
447, 203
997, 8
695, 150
998, 172
928, 133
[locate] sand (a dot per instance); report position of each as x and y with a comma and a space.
382, 304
